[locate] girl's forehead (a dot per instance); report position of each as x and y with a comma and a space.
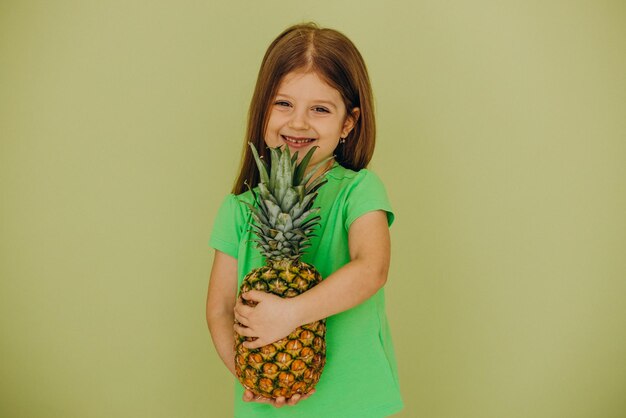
306, 82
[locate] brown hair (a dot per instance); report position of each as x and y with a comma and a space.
333, 57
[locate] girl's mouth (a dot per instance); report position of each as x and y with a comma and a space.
292, 140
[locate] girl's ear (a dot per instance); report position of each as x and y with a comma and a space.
350, 121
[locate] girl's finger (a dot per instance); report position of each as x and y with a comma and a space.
243, 310
293, 400
303, 397
279, 402
241, 320
248, 396
261, 399
254, 296
243, 331
251, 345
306, 396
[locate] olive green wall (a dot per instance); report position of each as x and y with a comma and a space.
502, 140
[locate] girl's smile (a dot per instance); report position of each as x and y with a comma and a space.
308, 112
296, 142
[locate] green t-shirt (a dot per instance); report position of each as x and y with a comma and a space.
360, 379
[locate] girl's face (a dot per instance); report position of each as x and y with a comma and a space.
307, 112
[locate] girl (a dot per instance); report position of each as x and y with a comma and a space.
313, 90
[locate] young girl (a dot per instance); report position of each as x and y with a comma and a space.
313, 90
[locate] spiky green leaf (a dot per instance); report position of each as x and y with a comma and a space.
301, 169
260, 164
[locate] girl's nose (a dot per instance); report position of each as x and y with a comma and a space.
299, 120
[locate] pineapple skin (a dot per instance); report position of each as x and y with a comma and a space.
291, 365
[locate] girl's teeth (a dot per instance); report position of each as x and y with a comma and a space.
298, 141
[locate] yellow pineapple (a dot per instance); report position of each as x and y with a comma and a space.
284, 219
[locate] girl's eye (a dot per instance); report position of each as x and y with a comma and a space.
320, 109
281, 103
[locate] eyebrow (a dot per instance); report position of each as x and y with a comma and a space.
327, 102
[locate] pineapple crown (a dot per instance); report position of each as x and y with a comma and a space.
283, 213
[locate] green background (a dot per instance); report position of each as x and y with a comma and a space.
502, 141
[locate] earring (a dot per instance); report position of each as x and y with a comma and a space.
342, 140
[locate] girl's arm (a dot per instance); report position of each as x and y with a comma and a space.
220, 304
274, 318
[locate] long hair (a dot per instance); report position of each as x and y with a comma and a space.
335, 59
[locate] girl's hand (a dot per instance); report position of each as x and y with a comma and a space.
271, 319
248, 396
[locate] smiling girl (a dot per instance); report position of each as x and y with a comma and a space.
313, 91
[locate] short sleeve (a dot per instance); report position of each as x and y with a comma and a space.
367, 194
226, 233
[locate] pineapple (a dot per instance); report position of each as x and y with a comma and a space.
283, 223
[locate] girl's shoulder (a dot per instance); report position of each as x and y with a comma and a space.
241, 199
345, 177
244, 197
234, 206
